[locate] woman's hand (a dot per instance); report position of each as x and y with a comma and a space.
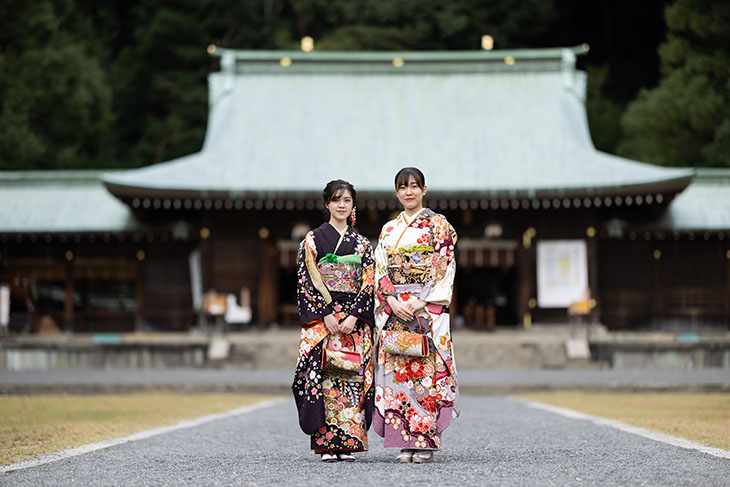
330, 322
400, 309
414, 305
348, 324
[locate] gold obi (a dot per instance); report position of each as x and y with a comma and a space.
410, 265
340, 277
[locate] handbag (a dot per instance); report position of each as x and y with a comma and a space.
402, 342
337, 362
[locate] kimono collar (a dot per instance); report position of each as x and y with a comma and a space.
413, 218
342, 235
342, 232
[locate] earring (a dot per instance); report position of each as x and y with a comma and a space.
353, 219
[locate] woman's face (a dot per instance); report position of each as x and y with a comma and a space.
410, 195
340, 206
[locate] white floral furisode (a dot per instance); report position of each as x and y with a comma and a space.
416, 397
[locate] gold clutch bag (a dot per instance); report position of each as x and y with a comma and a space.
399, 342
341, 363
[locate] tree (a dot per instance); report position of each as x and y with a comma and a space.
422, 24
604, 113
159, 83
685, 120
55, 101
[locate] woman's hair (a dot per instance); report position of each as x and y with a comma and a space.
404, 175
336, 188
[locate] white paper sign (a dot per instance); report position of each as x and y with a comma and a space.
4, 305
196, 278
562, 272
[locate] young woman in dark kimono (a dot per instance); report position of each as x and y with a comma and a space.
335, 296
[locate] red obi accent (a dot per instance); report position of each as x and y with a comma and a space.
353, 356
441, 375
434, 309
387, 310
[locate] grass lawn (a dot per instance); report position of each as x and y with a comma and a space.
699, 417
34, 425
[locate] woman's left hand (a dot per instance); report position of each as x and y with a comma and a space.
415, 305
348, 324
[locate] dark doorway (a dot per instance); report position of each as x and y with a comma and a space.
486, 296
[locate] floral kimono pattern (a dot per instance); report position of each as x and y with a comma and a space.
335, 275
416, 397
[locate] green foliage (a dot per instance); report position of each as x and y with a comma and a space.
123, 84
159, 84
685, 120
55, 103
604, 113
422, 24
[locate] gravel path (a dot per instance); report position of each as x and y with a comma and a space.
497, 441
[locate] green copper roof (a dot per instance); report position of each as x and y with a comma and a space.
60, 202
392, 62
247, 55
703, 206
516, 131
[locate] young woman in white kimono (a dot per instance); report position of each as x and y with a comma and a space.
335, 296
415, 397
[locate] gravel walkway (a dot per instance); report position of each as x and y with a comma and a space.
497, 441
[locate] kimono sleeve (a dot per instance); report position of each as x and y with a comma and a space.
443, 263
383, 285
362, 307
312, 296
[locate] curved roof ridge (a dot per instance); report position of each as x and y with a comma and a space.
492, 133
388, 56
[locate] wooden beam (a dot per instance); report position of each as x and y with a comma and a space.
526, 280
592, 249
727, 288
268, 283
139, 289
68, 305
657, 304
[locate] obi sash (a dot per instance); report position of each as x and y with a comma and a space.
410, 265
341, 273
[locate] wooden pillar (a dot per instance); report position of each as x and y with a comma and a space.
523, 281
268, 283
727, 288
526, 277
657, 304
139, 291
206, 253
68, 305
593, 283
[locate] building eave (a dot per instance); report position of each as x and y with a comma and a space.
649, 193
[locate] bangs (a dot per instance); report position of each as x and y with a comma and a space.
335, 189
405, 174
339, 192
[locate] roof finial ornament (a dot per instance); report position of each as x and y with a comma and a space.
569, 72
228, 66
487, 42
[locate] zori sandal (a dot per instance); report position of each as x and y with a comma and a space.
424, 456
405, 456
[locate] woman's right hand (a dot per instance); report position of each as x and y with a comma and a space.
400, 309
330, 322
